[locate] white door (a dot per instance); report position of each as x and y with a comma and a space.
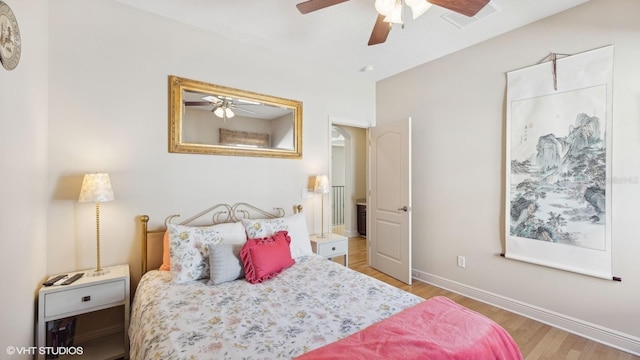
389, 208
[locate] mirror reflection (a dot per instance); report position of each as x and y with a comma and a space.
211, 119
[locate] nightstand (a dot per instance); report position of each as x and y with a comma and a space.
331, 245
88, 294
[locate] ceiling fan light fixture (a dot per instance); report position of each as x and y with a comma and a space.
229, 114
219, 112
396, 15
418, 7
385, 7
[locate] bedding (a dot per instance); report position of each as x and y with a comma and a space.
302, 305
300, 313
310, 304
454, 332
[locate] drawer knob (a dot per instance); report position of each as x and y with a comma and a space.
333, 248
86, 298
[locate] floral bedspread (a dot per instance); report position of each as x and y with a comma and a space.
311, 304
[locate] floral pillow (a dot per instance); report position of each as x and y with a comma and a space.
295, 225
232, 233
265, 258
189, 249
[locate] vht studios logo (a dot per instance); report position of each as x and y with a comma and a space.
44, 350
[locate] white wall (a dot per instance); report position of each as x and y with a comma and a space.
458, 107
202, 127
337, 165
282, 132
23, 151
109, 65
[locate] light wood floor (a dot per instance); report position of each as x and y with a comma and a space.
536, 340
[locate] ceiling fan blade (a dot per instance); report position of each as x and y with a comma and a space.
464, 7
313, 5
197, 103
213, 99
380, 31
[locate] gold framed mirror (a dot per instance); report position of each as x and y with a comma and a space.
212, 119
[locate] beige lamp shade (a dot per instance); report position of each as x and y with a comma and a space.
96, 188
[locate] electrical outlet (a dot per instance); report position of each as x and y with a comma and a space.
462, 262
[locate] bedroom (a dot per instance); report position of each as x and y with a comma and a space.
87, 82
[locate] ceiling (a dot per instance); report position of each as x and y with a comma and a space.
337, 36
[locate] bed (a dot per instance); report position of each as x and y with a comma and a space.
312, 308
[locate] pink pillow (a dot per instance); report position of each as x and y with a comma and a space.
265, 258
166, 258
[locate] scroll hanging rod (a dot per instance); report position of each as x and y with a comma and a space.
554, 58
613, 278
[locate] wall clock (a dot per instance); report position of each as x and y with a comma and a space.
9, 38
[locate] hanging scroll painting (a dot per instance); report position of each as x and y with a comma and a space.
558, 201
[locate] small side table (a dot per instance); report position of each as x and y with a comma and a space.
331, 245
88, 294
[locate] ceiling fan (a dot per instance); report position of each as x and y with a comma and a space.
390, 11
222, 106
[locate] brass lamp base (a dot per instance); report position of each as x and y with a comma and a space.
98, 272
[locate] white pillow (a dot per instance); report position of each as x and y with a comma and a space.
225, 263
295, 224
233, 233
189, 248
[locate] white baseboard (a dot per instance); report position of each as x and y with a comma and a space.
350, 233
609, 337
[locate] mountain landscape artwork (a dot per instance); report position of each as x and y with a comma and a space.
558, 163
558, 168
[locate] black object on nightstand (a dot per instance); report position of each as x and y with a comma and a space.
60, 333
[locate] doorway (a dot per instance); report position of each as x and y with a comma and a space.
348, 177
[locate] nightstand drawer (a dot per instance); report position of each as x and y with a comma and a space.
335, 248
83, 298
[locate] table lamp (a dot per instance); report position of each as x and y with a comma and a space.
96, 188
322, 187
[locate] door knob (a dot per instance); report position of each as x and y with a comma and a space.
404, 208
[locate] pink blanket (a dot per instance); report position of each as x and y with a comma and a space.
434, 329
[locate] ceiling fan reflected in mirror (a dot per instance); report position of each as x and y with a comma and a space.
223, 106
391, 11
